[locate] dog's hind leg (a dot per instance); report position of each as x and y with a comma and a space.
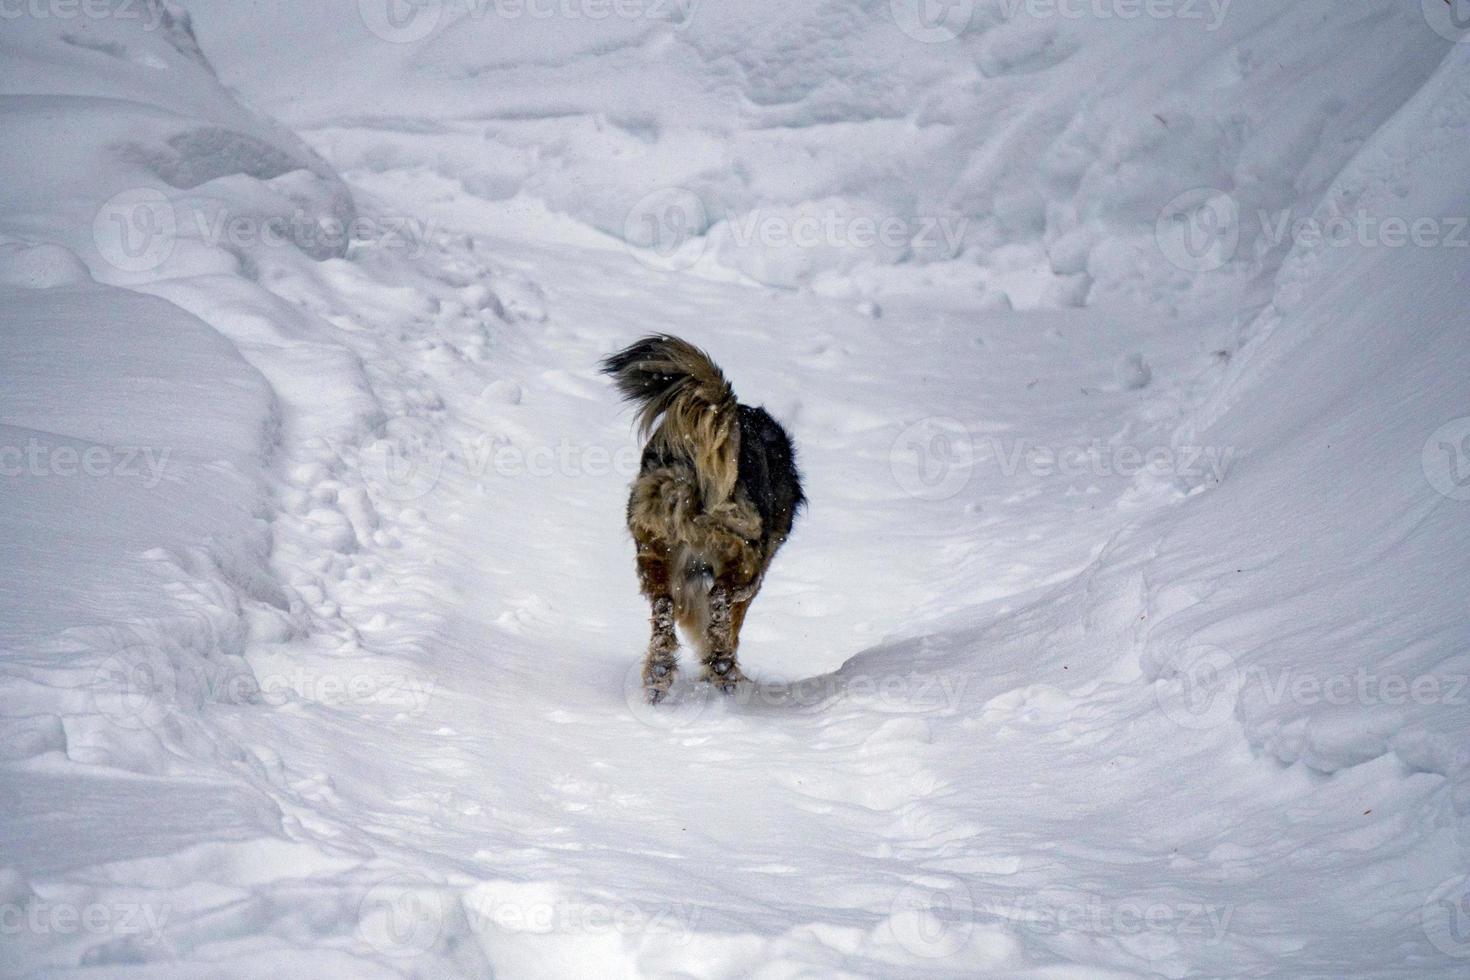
721, 636
738, 609
661, 662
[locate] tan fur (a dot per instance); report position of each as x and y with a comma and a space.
698, 423
666, 508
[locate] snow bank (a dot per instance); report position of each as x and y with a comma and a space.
135, 439
1345, 404
1040, 135
148, 159
320, 620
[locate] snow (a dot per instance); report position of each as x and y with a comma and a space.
1125, 355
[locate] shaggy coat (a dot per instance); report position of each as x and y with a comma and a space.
715, 497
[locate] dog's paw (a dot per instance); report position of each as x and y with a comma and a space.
724, 674
658, 677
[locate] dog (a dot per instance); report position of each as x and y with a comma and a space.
716, 496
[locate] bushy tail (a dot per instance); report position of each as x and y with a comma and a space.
687, 408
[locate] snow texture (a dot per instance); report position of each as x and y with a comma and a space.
1126, 355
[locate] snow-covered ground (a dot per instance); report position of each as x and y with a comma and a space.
1125, 344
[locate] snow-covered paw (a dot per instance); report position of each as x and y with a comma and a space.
658, 677
724, 674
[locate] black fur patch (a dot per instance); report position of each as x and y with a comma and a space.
768, 473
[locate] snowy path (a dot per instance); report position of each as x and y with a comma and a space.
352, 690
514, 799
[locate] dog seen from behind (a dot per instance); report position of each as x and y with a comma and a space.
716, 495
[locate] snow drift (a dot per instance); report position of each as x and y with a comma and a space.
1124, 636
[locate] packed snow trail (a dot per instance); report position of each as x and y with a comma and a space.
355, 692
512, 804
